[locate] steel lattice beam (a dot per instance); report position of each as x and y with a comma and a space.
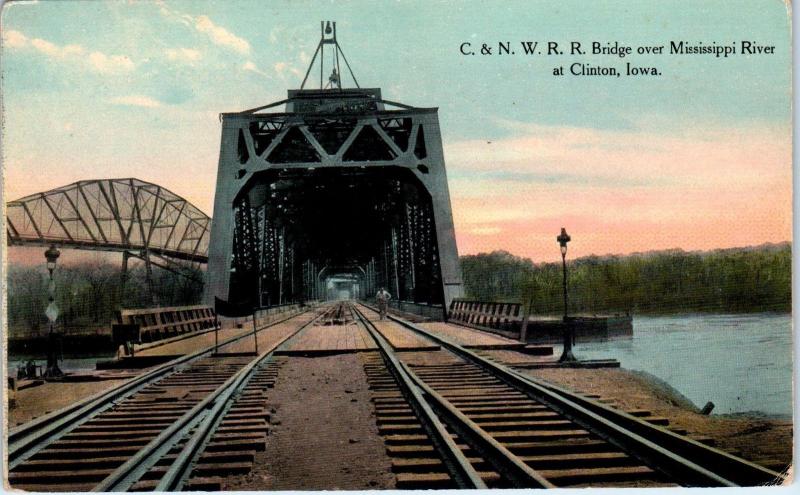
111, 215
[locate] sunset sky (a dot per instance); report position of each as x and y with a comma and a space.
698, 158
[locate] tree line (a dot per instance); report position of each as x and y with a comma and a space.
87, 294
727, 280
740, 280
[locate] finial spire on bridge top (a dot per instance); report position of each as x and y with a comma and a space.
328, 37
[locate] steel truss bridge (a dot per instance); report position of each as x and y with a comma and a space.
131, 216
340, 183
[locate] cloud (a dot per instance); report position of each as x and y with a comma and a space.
275, 34
292, 38
705, 154
485, 230
184, 19
252, 67
110, 64
622, 190
221, 36
281, 68
203, 24
46, 47
96, 61
136, 101
530, 177
185, 55
14, 39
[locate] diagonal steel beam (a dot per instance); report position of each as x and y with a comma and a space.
389, 141
80, 217
200, 238
175, 224
325, 157
114, 209
55, 216
135, 197
347, 142
155, 219
15, 232
91, 211
33, 221
275, 142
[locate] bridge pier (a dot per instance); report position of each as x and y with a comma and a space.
123, 275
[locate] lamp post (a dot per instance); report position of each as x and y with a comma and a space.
52, 371
569, 337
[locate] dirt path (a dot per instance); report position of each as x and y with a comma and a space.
323, 434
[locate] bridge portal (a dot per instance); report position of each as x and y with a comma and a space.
339, 185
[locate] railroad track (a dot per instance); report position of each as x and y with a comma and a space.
177, 426
458, 422
505, 429
337, 314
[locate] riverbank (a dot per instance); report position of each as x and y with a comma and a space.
756, 437
52, 396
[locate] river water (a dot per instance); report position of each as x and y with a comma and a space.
742, 363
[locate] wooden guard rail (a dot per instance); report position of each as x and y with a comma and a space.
264, 315
161, 323
500, 316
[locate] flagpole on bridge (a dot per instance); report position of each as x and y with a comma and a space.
255, 331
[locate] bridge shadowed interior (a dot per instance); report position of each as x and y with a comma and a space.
374, 225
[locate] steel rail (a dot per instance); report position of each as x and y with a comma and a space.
687, 461
31, 437
458, 466
181, 468
505, 462
738, 470
510, 466
207, 414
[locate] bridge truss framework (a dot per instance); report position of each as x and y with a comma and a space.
137, 218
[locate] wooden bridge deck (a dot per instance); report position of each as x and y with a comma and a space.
330, 339
470, 338
399, 339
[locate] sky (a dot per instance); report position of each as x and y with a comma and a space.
697, 158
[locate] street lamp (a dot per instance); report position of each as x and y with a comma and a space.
52, 371
569, 336
52, 255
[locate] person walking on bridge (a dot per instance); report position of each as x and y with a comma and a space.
382, 297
